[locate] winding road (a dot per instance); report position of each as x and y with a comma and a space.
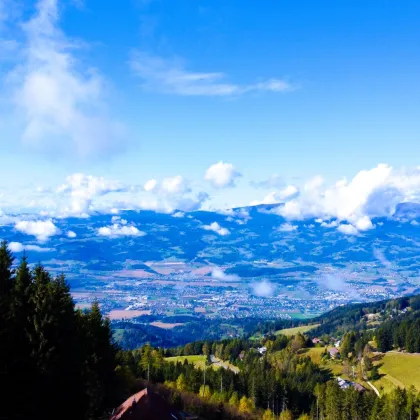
215, 361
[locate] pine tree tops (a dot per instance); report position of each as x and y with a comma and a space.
6, 270
59, 361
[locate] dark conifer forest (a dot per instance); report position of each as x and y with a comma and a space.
56, 362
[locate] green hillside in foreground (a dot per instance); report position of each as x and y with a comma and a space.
398, 370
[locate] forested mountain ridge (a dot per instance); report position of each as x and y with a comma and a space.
352, 317
367, 316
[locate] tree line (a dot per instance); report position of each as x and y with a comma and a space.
55, 361
399, 334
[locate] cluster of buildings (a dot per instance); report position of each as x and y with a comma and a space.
184, 293
343, 384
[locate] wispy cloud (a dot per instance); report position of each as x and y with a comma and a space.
281, 196
380, 256
263, 288
274, 181
336, 282
19, 247
59, 97
171, 77
219, 274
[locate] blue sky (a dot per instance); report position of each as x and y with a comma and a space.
268, 94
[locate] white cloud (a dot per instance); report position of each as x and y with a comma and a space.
171, 77
332, 224
357, 202
71, 234
288, 192
150, 185
415, 223
79, 191
222, 175
178, 214
371, 193
275, 197
287, 227
232, 214
219, 274
59, 98
119, 230
88, 186
19, 247
175, 185
364, 223
42, 230
263, 288
226, 212
82, 195
347, 229
215, 227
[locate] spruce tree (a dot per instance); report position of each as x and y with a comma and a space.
6, 271
56, 348
100, 377
22, 324
6, 324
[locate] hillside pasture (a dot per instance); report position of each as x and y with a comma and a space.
398, 370
197, 361
293, 331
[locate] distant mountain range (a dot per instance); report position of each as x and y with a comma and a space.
246, 242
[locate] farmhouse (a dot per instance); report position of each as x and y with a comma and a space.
343, 384
334, 353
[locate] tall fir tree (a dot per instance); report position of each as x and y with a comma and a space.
6, 323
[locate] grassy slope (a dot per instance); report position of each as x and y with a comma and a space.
293, 331
315, 354
198, 361
398, 369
